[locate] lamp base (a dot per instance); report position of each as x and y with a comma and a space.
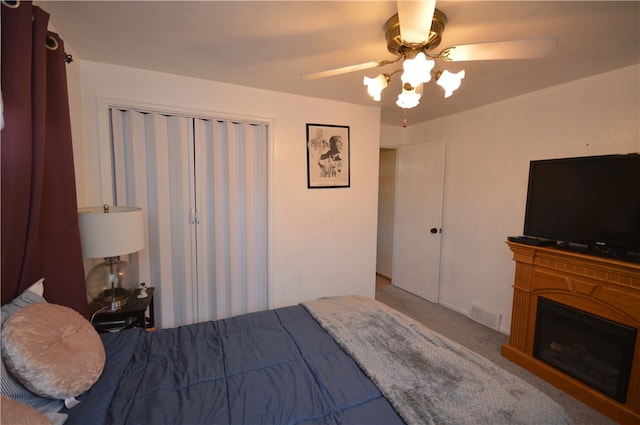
110, 283
115, 300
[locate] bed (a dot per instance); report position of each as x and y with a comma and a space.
335, 360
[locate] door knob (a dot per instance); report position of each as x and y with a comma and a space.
433, 230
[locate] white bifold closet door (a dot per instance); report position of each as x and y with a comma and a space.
202, 184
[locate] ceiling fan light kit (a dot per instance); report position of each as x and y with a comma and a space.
417, 68
413, 44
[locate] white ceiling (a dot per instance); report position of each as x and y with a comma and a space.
269, 44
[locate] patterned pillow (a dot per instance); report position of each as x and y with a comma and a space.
52, 350
10, 386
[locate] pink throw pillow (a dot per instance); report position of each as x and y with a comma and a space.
52, 350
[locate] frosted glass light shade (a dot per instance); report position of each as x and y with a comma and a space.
450, 82
417, 70
408, 99
376, 85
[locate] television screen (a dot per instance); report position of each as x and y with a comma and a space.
590, 201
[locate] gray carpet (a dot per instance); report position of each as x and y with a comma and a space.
482, 340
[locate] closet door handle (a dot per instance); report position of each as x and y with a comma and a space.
193, 216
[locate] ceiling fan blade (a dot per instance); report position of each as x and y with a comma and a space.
516, 49
415, 19
345, 69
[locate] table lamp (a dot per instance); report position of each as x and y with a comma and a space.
109, 232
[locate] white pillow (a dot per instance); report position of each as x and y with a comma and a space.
33, 294
37, 288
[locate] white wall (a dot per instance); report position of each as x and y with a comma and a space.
74, 91
392, 136
488, 154
322, 241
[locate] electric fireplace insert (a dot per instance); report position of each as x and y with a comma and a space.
591, 349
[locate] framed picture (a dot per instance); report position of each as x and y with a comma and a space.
327, 156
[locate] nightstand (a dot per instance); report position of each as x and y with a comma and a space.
137, 312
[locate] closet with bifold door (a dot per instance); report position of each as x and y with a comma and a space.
202, 184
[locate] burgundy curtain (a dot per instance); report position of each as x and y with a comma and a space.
40, 236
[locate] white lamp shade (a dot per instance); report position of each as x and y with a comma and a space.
110, 234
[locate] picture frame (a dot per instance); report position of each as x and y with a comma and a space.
328, 156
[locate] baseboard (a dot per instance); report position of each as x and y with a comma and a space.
383, 276
506, 331
468, 314
454, 308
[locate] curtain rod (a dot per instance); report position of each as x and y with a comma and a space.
51, 42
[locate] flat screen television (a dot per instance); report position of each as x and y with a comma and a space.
591, 203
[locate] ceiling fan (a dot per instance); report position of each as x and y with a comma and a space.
413, 34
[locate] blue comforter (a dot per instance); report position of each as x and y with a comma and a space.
270, 367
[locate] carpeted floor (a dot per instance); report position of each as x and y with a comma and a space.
482, 340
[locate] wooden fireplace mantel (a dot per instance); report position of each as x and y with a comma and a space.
605, 287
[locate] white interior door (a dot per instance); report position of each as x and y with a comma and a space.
418, 218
